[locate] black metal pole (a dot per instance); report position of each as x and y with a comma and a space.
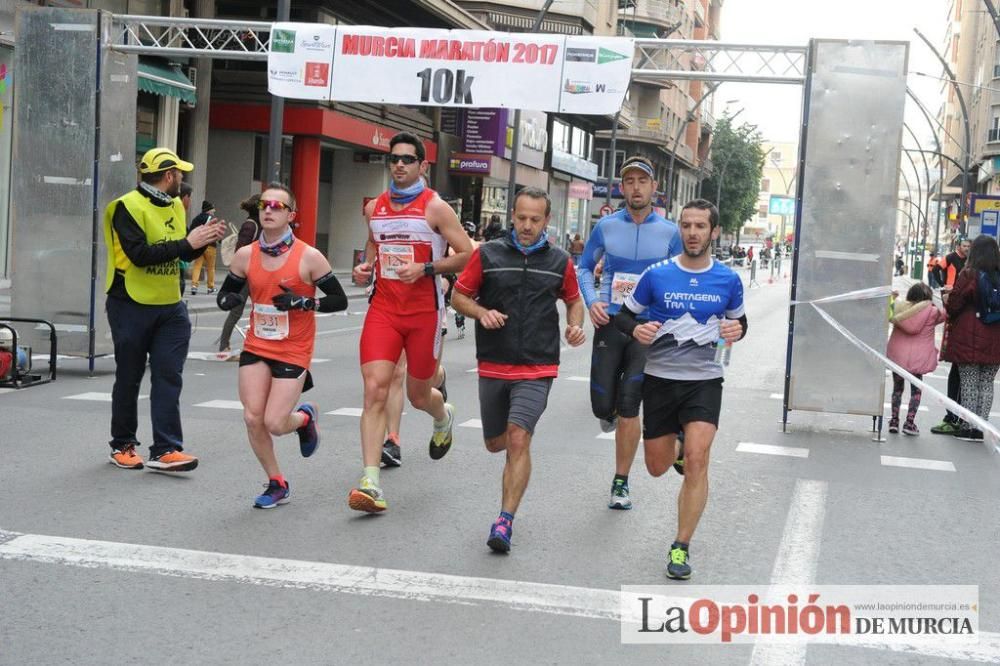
937, 144
611, 159
273, 173
927, 196
968, 134
516, 136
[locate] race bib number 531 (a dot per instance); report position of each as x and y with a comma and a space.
269, 323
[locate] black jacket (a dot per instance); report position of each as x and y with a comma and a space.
526, 288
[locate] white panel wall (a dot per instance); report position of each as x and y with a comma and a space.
230, 174
352, 181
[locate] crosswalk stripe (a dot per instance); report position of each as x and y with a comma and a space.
772, 450
346, 411
95, 396
918, 463
221, 404
471, 423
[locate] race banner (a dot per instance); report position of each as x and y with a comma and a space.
451, 68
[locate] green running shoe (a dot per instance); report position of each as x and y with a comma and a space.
442, 438
678, 568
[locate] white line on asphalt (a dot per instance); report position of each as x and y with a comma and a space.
221, 404
799, 541
918, 463
339, 330
772, 450
921, 409
347, 411
96, 397
471, 423
798, 556
777, 396
209, 356
577, 378
607, 435
7, 390
472, 370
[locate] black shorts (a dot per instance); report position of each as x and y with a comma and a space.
279, 369
667, 404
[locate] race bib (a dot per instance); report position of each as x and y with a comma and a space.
391, 258
269, 323
622, 285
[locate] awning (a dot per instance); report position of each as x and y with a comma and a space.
159, 78
642, 30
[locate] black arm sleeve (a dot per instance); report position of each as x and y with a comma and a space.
231, 294
141, 253
745, 325
625, 321
335, 299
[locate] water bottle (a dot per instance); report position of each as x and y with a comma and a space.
723, 351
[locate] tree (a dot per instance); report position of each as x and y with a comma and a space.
738, 161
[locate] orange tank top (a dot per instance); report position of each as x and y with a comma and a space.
403, 236
280, 336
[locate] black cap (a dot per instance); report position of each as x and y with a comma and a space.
206, 206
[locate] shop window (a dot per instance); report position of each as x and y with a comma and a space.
260, 170
560, 136
765, 184
602, 161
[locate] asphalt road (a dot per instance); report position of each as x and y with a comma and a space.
102, 565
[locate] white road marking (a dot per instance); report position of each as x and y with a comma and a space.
918, 463
221, 404
7, 390
777, 396
473, 370
798, 556
347, 411
607, 435
209, 356
471, 423
339, 330
920, 409
96, 397
770, 449
321, 360
577, 378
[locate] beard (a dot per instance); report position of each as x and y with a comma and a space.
632, 205
174, 190
699, 251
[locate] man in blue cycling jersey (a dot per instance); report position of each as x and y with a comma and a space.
691, 303
629, 240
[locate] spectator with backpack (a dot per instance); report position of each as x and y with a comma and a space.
911, 346
248, 233
973, 308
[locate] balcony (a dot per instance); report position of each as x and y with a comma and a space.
996, 71
993, 135
664, 13
699, 14
707, 119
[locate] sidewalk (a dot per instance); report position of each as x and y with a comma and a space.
205, 302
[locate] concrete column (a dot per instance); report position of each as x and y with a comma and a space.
196, 151
166, 122
306, 154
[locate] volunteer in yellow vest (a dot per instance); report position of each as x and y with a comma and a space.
144, 231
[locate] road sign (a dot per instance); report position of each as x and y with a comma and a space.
606, 210
781, 205
989, 222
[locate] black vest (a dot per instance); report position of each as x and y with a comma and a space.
526, 288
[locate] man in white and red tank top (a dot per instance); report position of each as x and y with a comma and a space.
281, 274
409, 229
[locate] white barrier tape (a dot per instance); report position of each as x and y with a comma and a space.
991, 436
857, 295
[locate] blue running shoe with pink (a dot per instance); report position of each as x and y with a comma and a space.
309, 433
500, 533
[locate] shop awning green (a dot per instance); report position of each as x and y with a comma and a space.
159, 78
641, 30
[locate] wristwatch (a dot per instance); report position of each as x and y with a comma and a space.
429, 269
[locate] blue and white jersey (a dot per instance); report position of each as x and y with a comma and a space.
692, 306
628, 249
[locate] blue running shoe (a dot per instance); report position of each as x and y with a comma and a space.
274, 495
500, 533
679, 567
309, 433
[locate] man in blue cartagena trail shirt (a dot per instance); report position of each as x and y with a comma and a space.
691, 301
629, 240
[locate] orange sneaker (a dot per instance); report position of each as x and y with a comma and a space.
126, 458
175, 461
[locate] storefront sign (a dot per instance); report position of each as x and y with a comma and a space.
484, 131
578, 190
534, 138
470, 164
450, 68
574, 165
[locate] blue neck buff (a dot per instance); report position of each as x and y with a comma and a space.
542, 241
405, 196
279, 247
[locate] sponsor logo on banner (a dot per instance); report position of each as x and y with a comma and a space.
607, 55
278, 74
469, 164
283, 41
586, 87
317, 74
581, 55
315, 44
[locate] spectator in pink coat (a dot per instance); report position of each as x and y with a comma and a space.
911, 346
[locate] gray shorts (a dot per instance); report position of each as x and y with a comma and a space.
520, 402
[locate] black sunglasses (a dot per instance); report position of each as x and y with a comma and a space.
405, 159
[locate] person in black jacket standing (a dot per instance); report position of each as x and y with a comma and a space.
510, 287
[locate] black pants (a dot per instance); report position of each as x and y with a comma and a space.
616, 372
160, 333
231, 319
954, 392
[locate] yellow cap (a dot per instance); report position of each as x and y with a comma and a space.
160, 159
